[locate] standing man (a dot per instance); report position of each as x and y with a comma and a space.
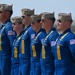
6, 38
36, 45
18, 27
24, 54
47, 60
64, 52
26, 20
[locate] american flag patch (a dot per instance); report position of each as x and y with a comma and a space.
72, 41
32, 36
42, 40
53, 43
10, 32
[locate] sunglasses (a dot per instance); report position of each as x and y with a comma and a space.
59, 21
32, 22
13, 24
1, 12
42, 20
23, 16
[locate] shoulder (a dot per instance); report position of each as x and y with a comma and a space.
70, 35
54, 35
9, 25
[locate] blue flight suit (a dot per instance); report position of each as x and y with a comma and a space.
64, 53
24, 55
47, 60
15, 55
7, 36
36, 47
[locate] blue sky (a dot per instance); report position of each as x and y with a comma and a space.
56, 6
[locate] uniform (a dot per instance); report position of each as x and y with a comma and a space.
15, 55
64, 50
36, 47
6, 40
18, 27
7, 36
24, 55
65, 54
47, 60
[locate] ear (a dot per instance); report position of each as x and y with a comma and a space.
7, 13
67, 22
20, 25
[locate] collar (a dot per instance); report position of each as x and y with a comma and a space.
68, 30
51, 30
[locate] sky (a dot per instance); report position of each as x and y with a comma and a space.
57, 6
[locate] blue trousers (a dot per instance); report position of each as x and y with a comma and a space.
15, 70
5, 65
47, 69
24, 68
35, 68
65, 71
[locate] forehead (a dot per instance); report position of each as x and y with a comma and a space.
34, 22
1, 11
25, 15
45, 20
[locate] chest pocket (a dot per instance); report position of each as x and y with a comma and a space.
43, 47
58, 47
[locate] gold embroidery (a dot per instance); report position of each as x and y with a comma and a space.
34, 51
58, 47
15, 53
58, 53
43, 52
23, 47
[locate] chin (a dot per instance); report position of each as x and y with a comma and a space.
58, 28
43, 27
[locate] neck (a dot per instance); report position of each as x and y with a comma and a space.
38, 29
4, 20
18, 32
26, 25
62, 31
48, 29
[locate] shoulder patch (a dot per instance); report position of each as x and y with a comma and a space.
10, 32
32, 36
52, 43
72, 41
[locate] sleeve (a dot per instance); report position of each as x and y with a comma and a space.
71, 43
10, 33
